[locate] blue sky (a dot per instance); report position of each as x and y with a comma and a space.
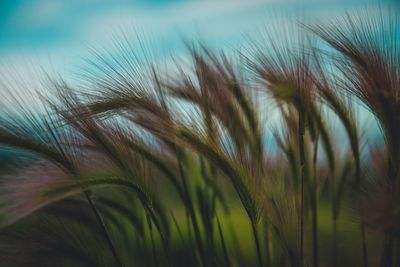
57, 33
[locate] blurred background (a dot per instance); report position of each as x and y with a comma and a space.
55, 37
57, 34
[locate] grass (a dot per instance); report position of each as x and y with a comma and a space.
142, 168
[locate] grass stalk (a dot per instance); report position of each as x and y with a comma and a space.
153, 245
257, 244
191, 212
301, 132
334, 246
267, 243
387, 254
103, 228
224, 249
314, 208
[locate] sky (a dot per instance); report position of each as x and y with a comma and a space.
57, 35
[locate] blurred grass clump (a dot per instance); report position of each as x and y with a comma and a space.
255, 158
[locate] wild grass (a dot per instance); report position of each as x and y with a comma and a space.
139, 167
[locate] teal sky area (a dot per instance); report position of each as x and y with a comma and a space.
59, 32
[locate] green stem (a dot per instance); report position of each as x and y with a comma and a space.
334, 225
314, 207
103, 227
267, 243
334, 252
301, 131
190, 209
224, 249
153, 246
257, 242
